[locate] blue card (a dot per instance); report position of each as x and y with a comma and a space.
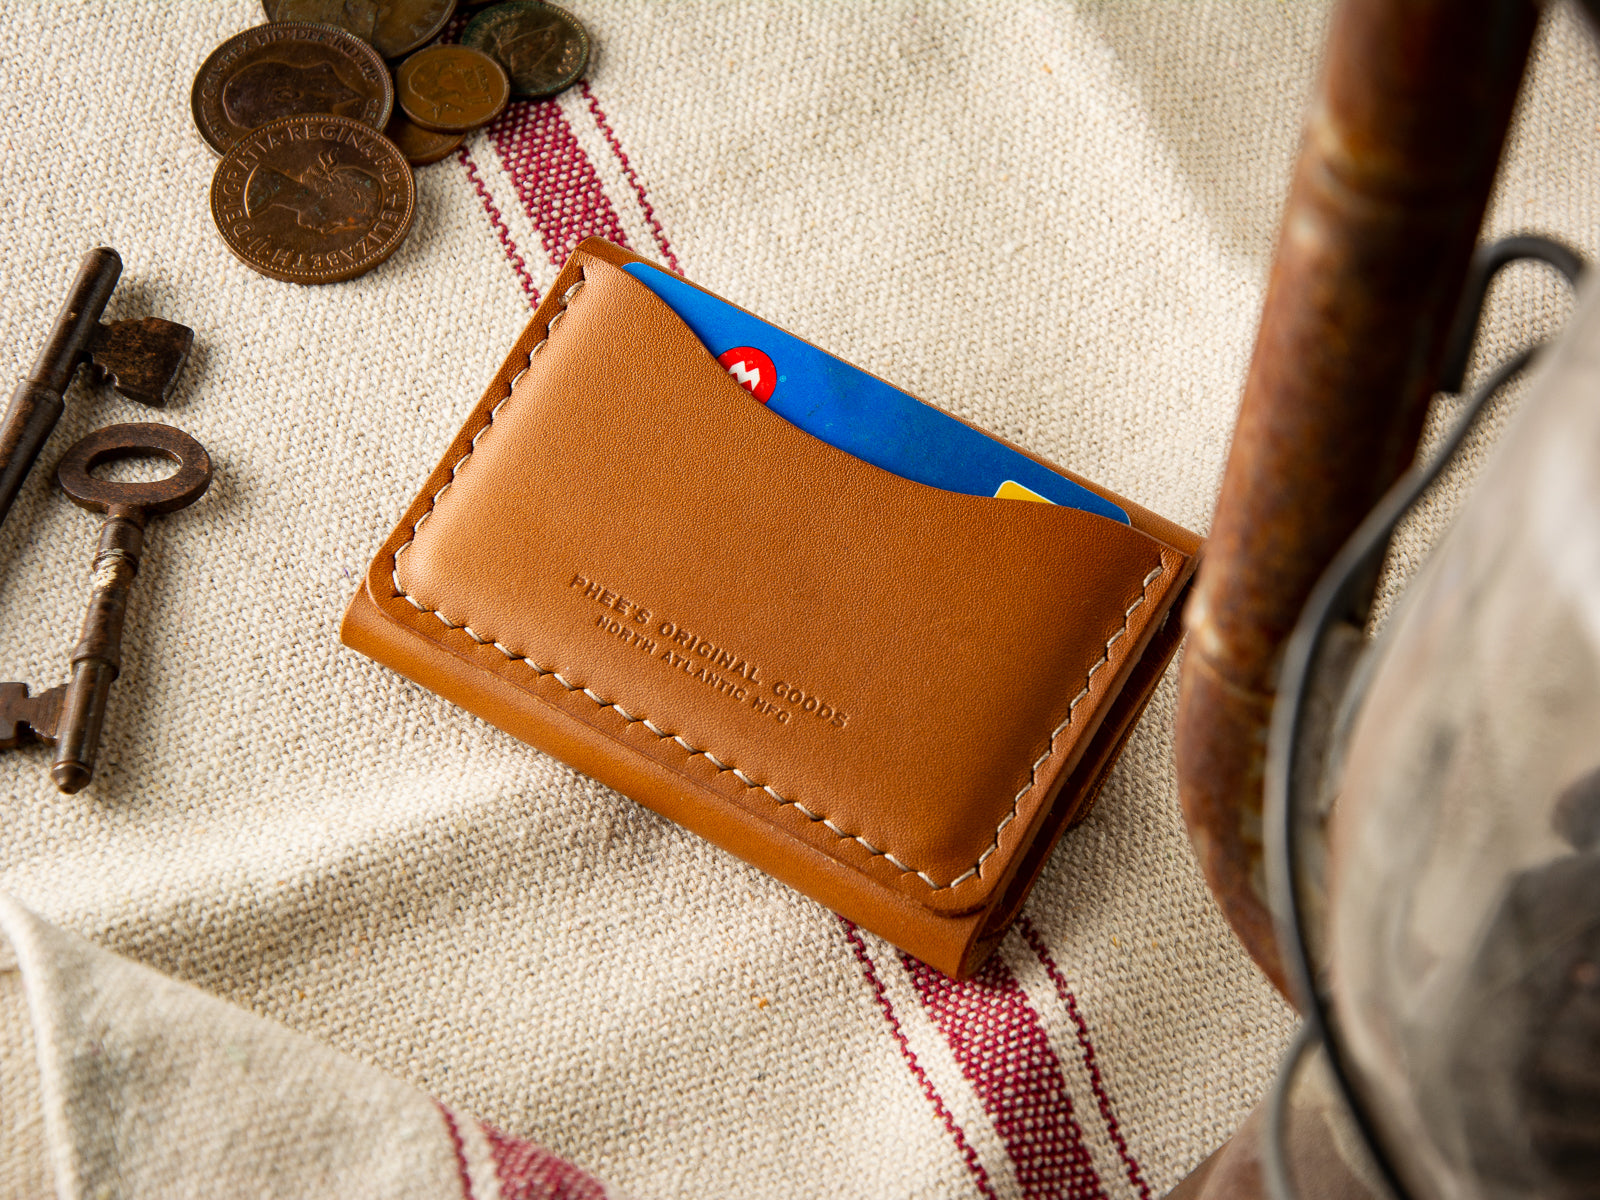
863, 416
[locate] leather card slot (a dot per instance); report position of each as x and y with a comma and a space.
896, 676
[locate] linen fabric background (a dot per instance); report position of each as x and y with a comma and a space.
1055, 220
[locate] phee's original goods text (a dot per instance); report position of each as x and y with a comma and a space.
719, 667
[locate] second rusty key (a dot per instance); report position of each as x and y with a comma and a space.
97, 658
141, 359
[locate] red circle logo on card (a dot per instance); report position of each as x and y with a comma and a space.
753, 369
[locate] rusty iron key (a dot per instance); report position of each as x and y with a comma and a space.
140, 359
72, 716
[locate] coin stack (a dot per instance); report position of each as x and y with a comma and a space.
309, 190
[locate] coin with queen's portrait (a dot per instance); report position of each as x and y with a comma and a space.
313, 199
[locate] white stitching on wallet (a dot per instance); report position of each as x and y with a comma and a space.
1072, 707
815, 818
975, 871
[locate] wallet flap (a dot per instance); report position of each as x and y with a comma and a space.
897, 676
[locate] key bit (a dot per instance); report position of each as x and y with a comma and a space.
141, 359
25, 718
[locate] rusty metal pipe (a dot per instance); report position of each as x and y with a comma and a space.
1398, 157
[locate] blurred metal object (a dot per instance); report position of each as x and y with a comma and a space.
1320, 693
1459, 990
1321, 686
1322, 1144
1432, 822
1401, 145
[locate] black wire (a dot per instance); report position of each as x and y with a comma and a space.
1336, 596
1485, 265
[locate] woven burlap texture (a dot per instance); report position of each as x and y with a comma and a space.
1055, 220
149, 1087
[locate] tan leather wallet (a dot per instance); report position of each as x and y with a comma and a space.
892, 697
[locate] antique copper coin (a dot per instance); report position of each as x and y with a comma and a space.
542, 47
394, 27
420, 146
452, 89
275, 71
358, 17
313, 199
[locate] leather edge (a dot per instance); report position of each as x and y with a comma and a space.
1088, 778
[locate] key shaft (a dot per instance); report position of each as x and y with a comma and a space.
97, 658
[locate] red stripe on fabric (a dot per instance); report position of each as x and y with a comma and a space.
461, 1151
970, 1156
1107, 1114
633, 180
555, 181
1004, 1052
499, 222
529, 1172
